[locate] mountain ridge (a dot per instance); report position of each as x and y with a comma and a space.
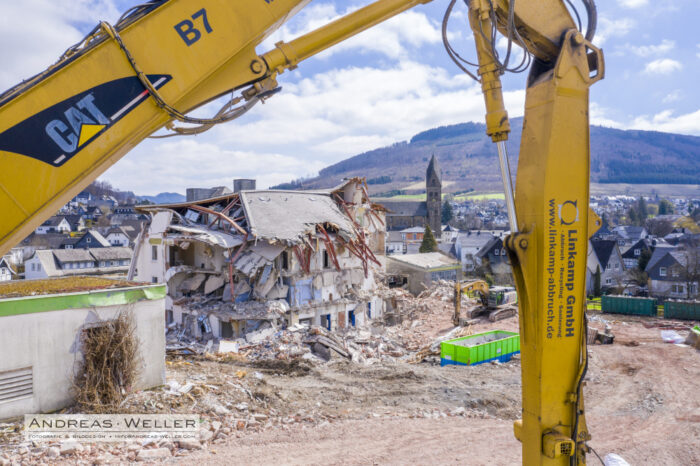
469, 159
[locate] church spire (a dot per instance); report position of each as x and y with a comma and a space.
433, 172
433, 190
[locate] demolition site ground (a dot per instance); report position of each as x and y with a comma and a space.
641, 398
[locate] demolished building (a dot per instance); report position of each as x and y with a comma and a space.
256, 259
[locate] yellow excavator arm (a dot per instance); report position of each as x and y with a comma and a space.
64, 127
479, 286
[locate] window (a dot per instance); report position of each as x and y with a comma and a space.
608, 281
662, 271
154, 252
326, 260
154, 279
496, 252
637, 252
609, 266
226, 330
87, 240
285, 260
617, 266
675, 272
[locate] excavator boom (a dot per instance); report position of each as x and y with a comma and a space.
64, 127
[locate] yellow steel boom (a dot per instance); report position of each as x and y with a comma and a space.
63, 128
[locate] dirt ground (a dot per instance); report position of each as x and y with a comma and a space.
642, 402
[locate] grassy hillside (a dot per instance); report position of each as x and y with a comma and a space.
469, 160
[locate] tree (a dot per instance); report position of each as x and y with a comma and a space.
596, 282
659, 227
429, 244
642, 212
644, 258
690, 271
447, 214
633, 216
665, 207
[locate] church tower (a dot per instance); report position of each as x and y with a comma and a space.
433, 188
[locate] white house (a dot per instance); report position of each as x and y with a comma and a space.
46, 263
6, 270
118, 236
55, 224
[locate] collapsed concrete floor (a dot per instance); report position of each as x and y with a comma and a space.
641, 398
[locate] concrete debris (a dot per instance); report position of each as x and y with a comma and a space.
154, 454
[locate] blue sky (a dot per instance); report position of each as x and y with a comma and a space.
377, 89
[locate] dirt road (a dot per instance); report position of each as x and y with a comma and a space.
375, 441
642, 401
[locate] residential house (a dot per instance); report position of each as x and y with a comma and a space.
674, 273
90, 240
93, 214
395, 243
76, 222
424, 269
121, 236
256, 259
412, 235
449, 233
612, 266
494, 257
48, 263
629, 234
55, 224
83, 197
7, 271
631, 254
105, 201
467, 247
592, 267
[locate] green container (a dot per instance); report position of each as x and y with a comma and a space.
684, 310
628, 305
497, 345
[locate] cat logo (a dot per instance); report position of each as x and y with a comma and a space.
59, 132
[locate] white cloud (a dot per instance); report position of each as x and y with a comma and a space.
393, 38
663, 66
344, 111
633, 3
650, 50
612, 28
34, 33
190, 162
320, 120
667, 122
598, 116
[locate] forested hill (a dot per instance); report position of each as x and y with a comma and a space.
468, 159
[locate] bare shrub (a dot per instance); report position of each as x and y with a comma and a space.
109, 366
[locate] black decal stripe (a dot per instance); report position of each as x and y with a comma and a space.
115, 99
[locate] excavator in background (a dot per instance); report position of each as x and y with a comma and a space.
500, 302
62, 128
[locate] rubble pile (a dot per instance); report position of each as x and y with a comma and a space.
411, 326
